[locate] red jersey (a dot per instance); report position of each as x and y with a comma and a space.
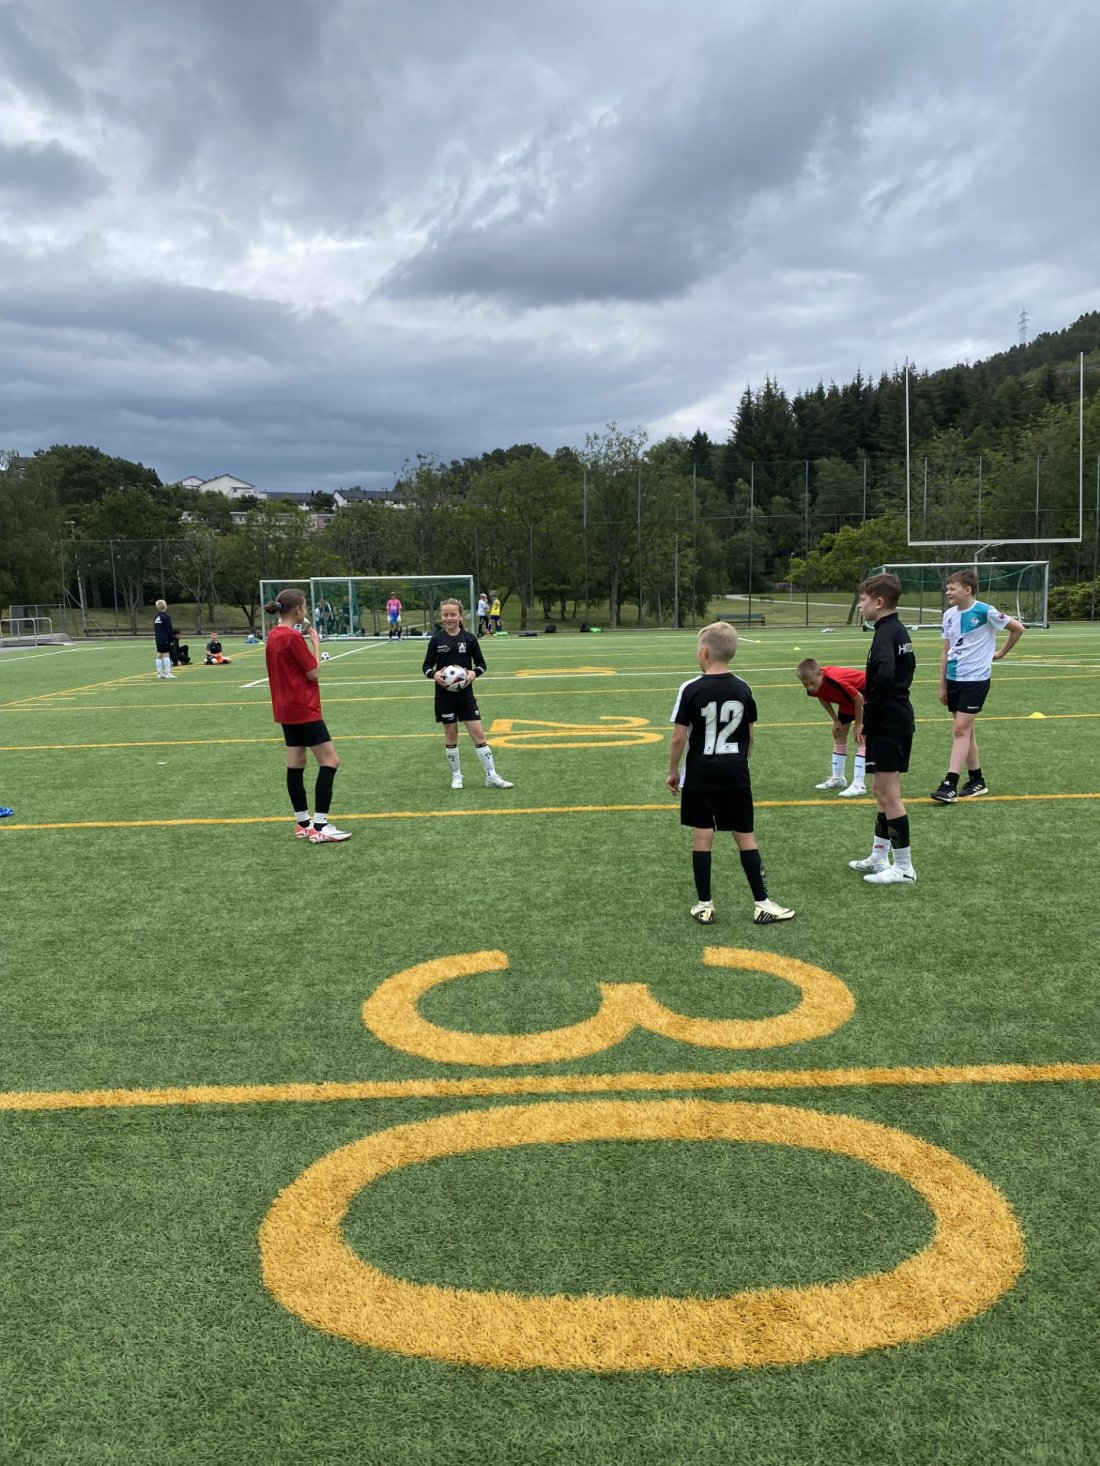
295, 698
838, 684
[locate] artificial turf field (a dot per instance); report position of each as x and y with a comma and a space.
821, 1192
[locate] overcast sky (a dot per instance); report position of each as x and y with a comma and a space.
301, 241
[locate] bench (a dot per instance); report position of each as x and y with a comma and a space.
743, 619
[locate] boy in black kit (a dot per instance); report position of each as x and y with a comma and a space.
888, 725
455, 646
713, 720
164, 635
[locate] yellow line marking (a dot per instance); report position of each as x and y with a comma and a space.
497, 692
448, 814
537, 730
565, 672
327, 1091
203, 742
976, 1252
392, 1015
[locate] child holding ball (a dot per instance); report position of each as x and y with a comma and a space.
455, 646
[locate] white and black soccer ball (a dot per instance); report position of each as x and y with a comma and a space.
325, 657
454, 678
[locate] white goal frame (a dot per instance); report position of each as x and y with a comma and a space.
357, 603
943, 570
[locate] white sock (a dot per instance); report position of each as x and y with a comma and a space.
880, 849
302, 816
160, 669
903, 859
859, 769
485, 754
840, 758
452, 759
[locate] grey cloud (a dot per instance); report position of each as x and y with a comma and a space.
585, 212
47, 176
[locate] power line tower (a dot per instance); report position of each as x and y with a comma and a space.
1022, 325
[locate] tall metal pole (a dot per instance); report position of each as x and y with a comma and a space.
1081, 448
908, 468
676, 581
585, 523
752, 500
1038, 461
806, 532
979, 496
694, 539
641, 594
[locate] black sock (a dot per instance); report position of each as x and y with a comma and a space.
951, 779
899, 832
882, 828
296, 788
322, 794
700, 869
753, 867
975, 776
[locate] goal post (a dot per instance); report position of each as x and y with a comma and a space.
1020, 587
353, 607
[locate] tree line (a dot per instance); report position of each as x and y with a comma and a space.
809, 490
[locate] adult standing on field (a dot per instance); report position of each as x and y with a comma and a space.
970, 631
165, 636
293, 668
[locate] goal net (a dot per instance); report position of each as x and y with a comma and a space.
1020, 587
347, 607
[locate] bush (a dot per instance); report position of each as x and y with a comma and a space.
1073, 602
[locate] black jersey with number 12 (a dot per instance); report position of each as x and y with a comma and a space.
718, 710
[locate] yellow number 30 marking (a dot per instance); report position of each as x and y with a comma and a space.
391, 1014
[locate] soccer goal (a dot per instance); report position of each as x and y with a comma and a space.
353, 607
1020, 587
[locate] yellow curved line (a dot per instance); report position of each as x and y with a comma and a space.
975, 1255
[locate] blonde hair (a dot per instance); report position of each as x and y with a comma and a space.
721, 638
453, 601
806, 666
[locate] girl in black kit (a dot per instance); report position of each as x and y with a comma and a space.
454, 646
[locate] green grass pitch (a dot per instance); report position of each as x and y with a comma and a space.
180, 975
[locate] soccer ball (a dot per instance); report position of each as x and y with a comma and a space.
325, 657
454, 678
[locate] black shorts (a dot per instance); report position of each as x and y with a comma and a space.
164, 651
306, 735
967, 697
717, 809
845, 718
456, 707
888, 752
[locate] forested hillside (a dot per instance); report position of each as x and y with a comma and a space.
813, 485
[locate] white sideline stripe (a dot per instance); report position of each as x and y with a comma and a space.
333, 657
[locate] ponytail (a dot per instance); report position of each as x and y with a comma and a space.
285, 601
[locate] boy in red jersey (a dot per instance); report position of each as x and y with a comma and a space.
840, 692
292, 672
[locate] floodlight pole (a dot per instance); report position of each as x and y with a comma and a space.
908, 470
1095, 539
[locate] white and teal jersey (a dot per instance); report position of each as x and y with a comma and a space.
971, 638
